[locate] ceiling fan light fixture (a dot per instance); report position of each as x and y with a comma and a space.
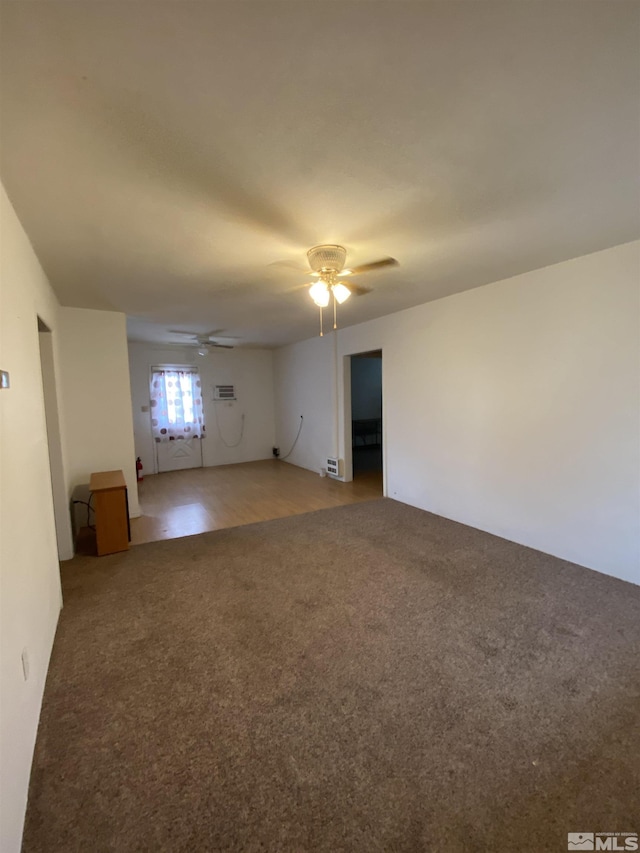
319, 292
341, 293
327, 264
327, 258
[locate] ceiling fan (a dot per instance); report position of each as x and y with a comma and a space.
327, 263
206, 341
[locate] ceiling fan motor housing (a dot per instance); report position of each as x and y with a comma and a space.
327, 258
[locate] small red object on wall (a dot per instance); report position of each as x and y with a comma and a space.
139, 474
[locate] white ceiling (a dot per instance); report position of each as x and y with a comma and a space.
162, 155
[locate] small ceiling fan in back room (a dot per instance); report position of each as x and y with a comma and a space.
333, 284
206, 341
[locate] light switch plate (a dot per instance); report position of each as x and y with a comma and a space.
4, 378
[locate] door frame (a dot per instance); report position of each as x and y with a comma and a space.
347, 429
61, 508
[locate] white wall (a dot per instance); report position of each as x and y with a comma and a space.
95, 398
251, 371
305, 385
514, 408
30, 596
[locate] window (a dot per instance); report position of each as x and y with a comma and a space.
176, 404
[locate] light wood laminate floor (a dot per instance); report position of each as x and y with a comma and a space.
183, 503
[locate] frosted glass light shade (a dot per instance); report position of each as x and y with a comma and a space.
341, 293
319, 292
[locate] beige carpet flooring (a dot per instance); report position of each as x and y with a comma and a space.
366, 678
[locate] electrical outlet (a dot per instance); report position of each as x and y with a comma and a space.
25, 664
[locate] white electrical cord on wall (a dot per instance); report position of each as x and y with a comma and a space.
215, 409
295, 440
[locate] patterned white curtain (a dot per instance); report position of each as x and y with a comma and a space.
176, 405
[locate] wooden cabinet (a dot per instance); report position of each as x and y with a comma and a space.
109, 493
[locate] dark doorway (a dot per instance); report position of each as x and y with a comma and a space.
366, 412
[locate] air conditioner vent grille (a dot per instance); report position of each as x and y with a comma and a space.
224, 392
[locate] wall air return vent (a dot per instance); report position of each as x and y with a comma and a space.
224, 392
334, 467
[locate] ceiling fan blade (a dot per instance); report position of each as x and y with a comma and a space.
182, 332
220, 346
291, 265
202, 337
358, 289
373, 265
214, 338
214, 333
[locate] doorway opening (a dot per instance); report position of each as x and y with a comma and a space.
61, 512
366, 414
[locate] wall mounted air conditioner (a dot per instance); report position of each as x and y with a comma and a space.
224, 392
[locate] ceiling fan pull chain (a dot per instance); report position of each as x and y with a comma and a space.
335, 324
321, 332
